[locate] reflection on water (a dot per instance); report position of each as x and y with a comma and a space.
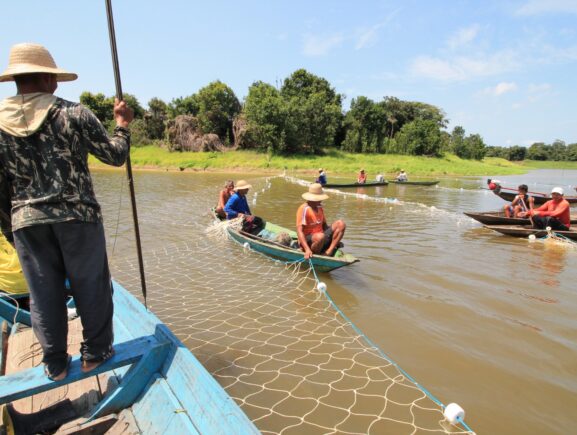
478, 318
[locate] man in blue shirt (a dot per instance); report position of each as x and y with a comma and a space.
322, 178
237, 206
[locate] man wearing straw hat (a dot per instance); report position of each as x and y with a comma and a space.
237, 207
48, 209
315, 236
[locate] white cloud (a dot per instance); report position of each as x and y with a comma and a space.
536, 7
463, 68
501, 88
463, 36
319, 46
367, 37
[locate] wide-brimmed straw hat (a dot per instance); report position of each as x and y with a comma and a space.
28, 58
315, 193
241, 185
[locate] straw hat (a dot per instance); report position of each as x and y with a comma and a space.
321, 169
241, 185
315, 193
28, 58
558, 190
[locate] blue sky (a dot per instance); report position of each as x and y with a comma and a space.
504, 69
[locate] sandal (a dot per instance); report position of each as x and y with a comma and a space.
88, 366
54, 372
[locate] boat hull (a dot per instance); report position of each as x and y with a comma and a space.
509, 196
416, 183
499, 218
321, 263
370, 184
525, 231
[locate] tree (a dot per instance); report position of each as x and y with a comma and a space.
572, 152
420, 137
101, 106
217, 107
558, 151
365, 125
538, 151
183, 106
458, 141
517, 153
154, 119
475, 147
266, 114
314, 112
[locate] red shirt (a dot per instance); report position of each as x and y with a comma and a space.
559, 210
311, 220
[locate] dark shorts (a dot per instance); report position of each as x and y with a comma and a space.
328, 238
548, 221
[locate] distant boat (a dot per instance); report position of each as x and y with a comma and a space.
416, 183
265, 244
499, 218
538, 198
526, 230
367, 184
156, 382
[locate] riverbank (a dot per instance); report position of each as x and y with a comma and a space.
334, 162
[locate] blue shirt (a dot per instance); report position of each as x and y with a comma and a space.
235, 205
322, 180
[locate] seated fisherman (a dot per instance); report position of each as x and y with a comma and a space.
315, 236
521, 203
402, 176
322, 178
362, 178
223, 198
555, 213
237, 206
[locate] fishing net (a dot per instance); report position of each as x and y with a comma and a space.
270, 334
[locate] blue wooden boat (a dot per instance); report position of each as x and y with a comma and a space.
13, 308
160, 383
264, 243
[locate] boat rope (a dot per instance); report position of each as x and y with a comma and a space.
322, 288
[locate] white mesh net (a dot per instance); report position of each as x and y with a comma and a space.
278, 345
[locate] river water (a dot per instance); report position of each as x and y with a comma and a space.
475, 317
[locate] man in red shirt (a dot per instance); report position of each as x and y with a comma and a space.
554, 213
315, 236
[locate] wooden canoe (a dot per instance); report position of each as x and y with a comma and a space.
264, 244
499, 218
527, 230
416, 183
509, 196
367, 184
160, 386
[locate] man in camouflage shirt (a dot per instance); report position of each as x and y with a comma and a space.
48, 209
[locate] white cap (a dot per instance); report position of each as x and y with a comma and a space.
558, 190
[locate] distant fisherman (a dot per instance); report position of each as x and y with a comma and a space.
521, 203
237, 207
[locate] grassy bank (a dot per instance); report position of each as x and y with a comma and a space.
335, 162
535, 164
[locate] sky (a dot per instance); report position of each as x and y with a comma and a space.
504, 69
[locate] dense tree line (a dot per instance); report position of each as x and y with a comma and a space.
305, 115
557, 151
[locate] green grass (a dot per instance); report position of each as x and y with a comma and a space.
335, 162
535, 164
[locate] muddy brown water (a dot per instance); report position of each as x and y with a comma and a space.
475, 317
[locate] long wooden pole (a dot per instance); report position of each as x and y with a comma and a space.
128, 164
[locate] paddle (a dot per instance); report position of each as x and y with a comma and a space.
528, 211
116, 68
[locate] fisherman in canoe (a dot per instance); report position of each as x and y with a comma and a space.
521, 203
315, 236
402, 177
362, 177
48, 209
380, 178
237, 207
223, 198
322, 178
555, 213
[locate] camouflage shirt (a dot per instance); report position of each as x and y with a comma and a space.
44, 177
